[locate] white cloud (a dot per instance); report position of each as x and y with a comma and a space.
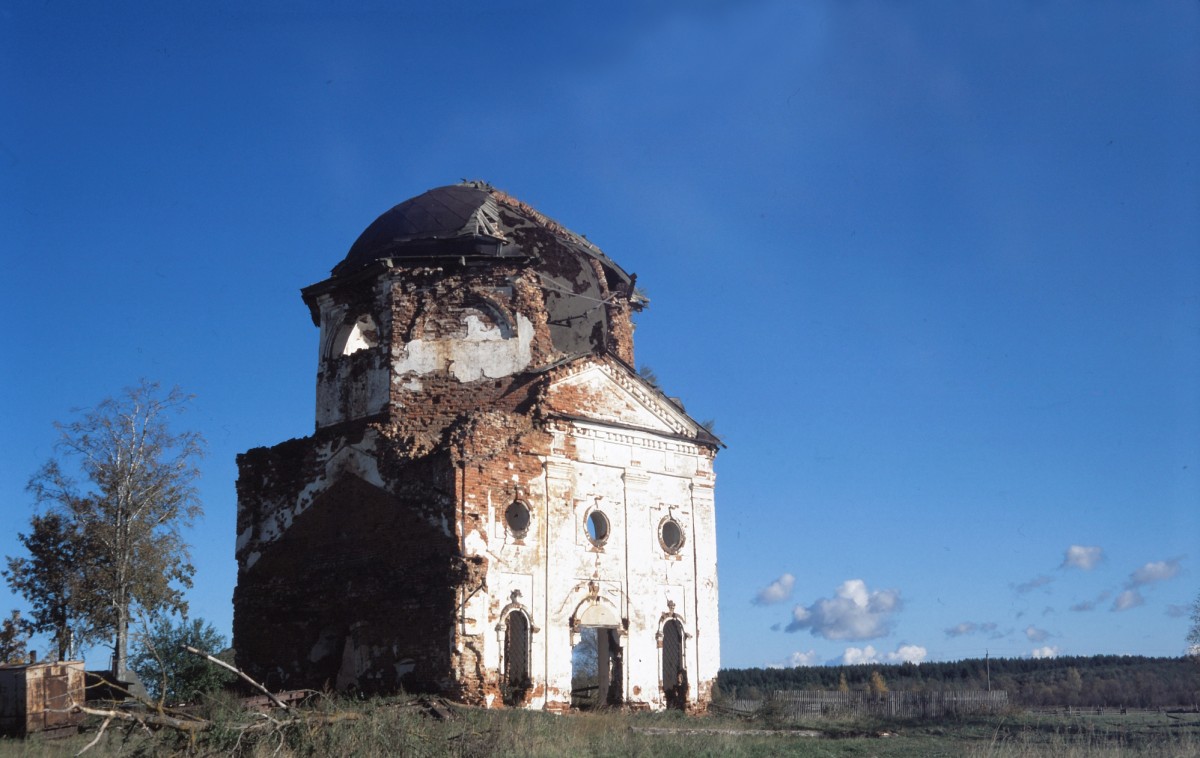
803, 659
777, 591
854, 656
1082, 557
1128, 599
908, 654
905, 653
854, 613
1049, 651
1036, 635
1157, 571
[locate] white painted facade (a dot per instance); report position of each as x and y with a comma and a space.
639, 475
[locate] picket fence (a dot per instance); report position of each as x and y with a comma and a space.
810, 703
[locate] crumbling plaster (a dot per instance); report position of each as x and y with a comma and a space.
485, 350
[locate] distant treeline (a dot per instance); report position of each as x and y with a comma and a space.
1102, 680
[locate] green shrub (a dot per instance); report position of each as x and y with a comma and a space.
172, 674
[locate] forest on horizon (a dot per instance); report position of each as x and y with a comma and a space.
1110, 681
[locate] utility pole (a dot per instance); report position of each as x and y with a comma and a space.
987, 662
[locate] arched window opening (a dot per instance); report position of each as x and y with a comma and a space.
516, 659
362, 334
674, 674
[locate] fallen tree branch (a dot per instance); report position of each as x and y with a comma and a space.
158, 715
99, 734
158, 706
312, 719
213, 659
157, 719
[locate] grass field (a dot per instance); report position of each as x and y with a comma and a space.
400, 727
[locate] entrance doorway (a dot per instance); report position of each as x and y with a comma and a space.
597, 668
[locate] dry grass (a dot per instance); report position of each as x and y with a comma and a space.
392, 727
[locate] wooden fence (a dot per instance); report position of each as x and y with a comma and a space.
815, 703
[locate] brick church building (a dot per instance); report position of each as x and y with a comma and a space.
493, 504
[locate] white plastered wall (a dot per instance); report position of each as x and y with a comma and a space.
636, 479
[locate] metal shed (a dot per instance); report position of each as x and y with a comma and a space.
37, 697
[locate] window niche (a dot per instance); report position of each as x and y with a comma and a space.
484, 320
515, 631
516, 682
517, 518
597, 528
670, 535
674, 672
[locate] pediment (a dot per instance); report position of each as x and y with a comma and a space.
604, 391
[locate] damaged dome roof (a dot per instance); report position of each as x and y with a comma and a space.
474, 221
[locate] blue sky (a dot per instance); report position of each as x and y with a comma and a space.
933, 268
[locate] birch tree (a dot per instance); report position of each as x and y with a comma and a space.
1193, 638
135, 495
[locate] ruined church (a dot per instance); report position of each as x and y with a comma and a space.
493, 505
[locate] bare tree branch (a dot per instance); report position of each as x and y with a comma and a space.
239, 672
155, 719
96, 739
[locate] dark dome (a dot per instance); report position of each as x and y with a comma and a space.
471, 220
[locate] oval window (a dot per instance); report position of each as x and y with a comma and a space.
517, 517
670, 533
597, 527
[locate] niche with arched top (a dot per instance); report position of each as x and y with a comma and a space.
674, 673
516, 682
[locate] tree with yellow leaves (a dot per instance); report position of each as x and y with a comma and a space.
877, 685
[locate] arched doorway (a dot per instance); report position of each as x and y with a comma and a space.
597, 668
597, 658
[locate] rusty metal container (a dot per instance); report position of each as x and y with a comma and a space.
36, 698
